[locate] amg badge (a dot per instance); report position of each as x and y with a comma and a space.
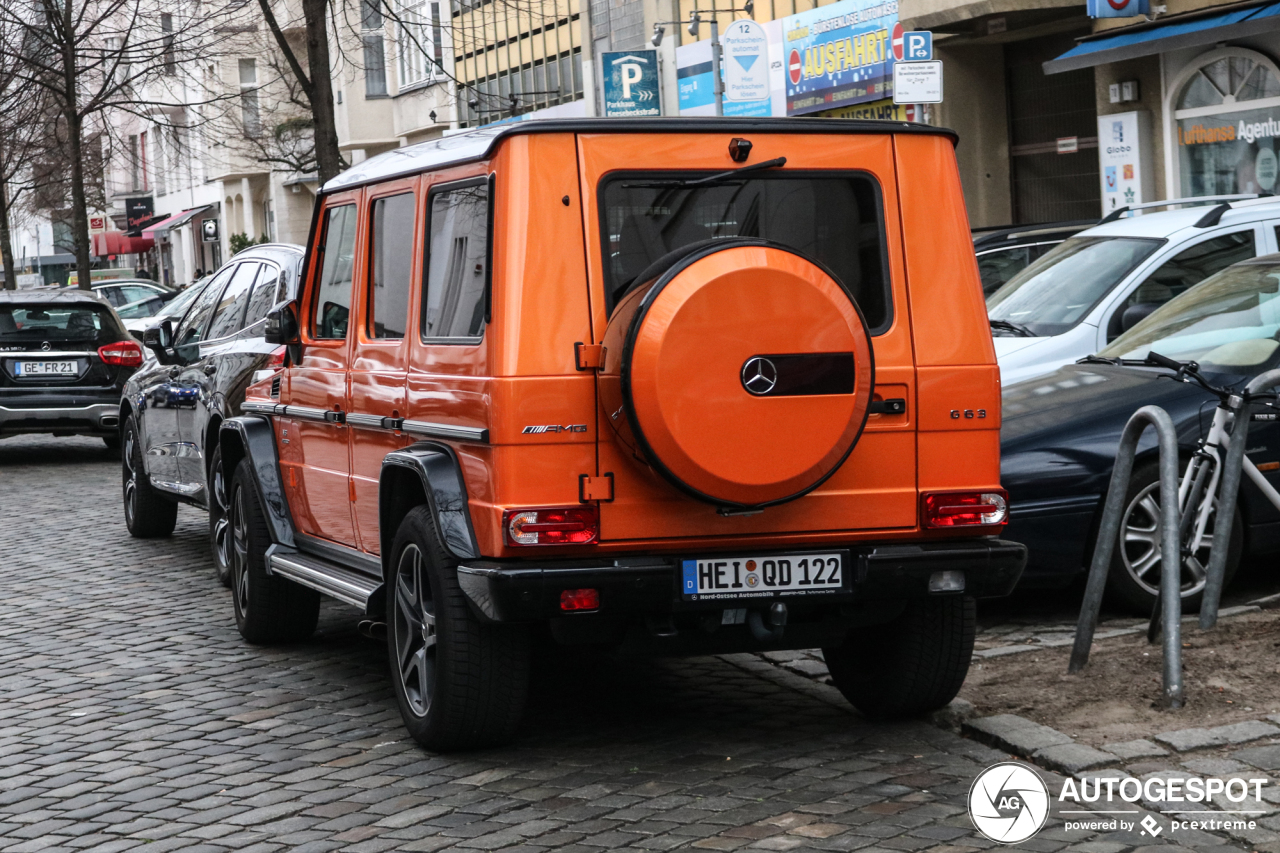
534, 430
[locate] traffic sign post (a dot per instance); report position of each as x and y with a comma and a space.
917, 47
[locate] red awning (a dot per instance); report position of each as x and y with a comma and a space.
157, 228
119, 243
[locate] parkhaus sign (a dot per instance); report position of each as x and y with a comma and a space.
839, 55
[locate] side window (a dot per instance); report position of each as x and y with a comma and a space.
133, 293
264, 295
1180, 273
332, 304
457, 263
190, 331
392, 256
230, 311
112, 295
995, 268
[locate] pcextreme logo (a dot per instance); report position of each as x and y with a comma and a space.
1008, 802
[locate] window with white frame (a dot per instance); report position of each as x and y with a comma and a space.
420, 39
375, 57
250, 116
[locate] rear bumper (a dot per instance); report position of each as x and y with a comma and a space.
50, 416
650, 585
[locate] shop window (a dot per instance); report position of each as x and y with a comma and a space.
1226, 119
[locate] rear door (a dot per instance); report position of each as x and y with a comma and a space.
384, 326
630, 226
202, 378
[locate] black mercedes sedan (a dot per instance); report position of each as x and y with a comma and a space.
205, 360
1060, 434
64, 360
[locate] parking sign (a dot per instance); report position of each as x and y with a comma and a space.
631, 83
917, 47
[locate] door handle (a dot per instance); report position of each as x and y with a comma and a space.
210, 369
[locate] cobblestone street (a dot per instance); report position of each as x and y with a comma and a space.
133, 714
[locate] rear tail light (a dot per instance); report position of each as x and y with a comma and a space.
121, 354
965, 509
575, 525
276, 361
579, 599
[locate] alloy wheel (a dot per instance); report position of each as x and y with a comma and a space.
1140, 548
131, 479
239, 551
222, 545
414, 631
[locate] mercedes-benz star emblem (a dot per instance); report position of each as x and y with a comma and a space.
759, 376
45, 346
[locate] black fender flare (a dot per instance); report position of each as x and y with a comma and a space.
252, 437
439, 475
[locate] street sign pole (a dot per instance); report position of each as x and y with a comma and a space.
717, 84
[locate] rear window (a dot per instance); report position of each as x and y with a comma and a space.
55, 323
835, 219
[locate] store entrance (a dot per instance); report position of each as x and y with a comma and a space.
1048, 186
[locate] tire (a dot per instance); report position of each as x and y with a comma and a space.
111, 441
147, 513
269, 608
1133, 581
219, 521
459, 684
914, 664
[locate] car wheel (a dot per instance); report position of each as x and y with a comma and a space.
914, 664
460, 684
147, 513
219, 521
1133, 581
269, 608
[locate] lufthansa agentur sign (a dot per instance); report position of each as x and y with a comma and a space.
631, 83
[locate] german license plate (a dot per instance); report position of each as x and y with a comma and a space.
762, 577
44, 368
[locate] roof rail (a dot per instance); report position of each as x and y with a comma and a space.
1204, 199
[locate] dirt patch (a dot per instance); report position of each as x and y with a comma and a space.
1230, 674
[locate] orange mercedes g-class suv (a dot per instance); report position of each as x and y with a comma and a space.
671, 386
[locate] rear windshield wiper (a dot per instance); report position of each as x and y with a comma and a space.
713, 179
1020, 331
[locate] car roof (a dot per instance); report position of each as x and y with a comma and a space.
479, 143
67, 296
113, 281
1167, 223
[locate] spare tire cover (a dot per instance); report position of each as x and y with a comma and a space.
745, 372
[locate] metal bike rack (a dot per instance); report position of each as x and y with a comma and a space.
1169, 613
1109, 532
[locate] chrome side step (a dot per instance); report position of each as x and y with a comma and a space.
322, 575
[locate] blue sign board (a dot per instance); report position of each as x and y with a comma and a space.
631, 83
917, 47
839, 54
1117, 8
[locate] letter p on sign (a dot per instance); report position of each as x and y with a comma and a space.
917, 47
631, 74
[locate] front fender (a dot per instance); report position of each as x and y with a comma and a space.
252, 437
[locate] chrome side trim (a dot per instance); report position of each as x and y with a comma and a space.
40, 355
459, 433
250, 407
346, 587
305, 413
365, 421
